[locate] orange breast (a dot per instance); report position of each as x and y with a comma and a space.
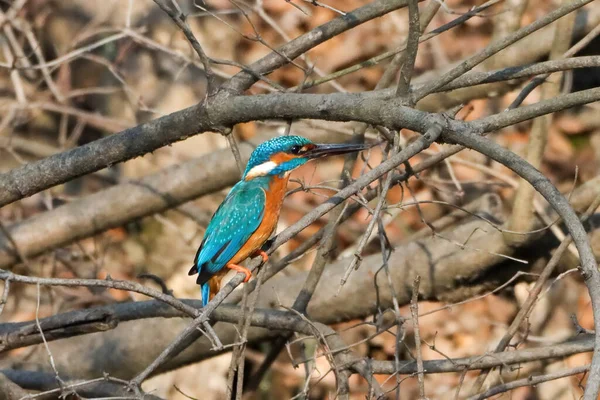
274, 200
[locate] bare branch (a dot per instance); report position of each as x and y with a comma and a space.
180, 22
530, 381
522, 217
302, 44
589, 266
498, 46
414, 311
412, 47
488, 360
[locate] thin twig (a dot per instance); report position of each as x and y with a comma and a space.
400, 50
206, 62
327, 242
522, 217
37, 49
236, 152
355, 263
4, 295
37, 321
414, 311
530, 381
498, 46
538, 80
412, 47
105, 283
529, 303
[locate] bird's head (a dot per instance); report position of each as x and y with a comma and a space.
280, 155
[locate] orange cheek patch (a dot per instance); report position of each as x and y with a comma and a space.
280, 158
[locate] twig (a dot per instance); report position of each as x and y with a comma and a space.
180, 22
412, 47
108, 283
498, 46
506, 22
355, 263
400, 50
75, 53
561, 206
238, 356
4, 295
490, 360
523, 71
279, 29
37, 321
37, 49
399, 59
414, 311
527, 306
16, 248
530, 381
105, 386
311, 39
319, 4
542, 78
398, 318
190, 333
175, 347
14, 43
14, 74
522, 214
236, 152
327, 242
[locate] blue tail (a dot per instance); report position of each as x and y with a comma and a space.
205, 293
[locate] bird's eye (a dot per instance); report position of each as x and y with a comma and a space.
296, 149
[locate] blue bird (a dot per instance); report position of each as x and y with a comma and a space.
249, 214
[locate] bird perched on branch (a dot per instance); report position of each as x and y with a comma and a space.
248, 215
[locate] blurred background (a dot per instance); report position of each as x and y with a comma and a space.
106, 66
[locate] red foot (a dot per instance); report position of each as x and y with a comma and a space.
239, 268
264, 255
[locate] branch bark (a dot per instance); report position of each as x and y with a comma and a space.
221, 113
523, 213
589, 266
438, 261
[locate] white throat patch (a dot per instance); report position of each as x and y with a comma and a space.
261, 170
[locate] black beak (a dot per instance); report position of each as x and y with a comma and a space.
324, 150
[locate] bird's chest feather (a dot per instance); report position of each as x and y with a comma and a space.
274, 199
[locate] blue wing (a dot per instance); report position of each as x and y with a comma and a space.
236, 219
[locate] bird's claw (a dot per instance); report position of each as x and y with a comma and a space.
244, 270
262, 254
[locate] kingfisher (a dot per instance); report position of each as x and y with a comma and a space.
248, 216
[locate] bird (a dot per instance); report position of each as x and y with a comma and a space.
248, 216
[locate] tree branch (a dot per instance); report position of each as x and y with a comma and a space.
542, 185
244, 80
498, 46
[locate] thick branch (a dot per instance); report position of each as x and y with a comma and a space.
542, 185
442, 265
223, 112
177, 184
